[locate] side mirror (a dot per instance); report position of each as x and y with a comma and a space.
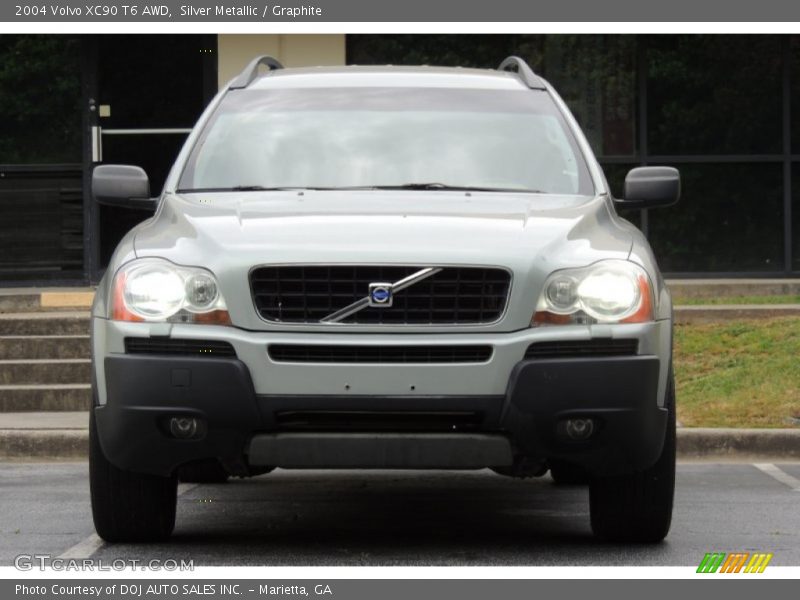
651, 187
125, 186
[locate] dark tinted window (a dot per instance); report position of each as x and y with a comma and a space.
41, 195
152, 80
714, 94
796, 217
794, 71
596, 76
729, 218
40, 99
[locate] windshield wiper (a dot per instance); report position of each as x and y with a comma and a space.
452, 188
404, 186
243, 188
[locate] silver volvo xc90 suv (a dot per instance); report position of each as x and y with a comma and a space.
383, 267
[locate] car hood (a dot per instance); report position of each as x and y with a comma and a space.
530, 234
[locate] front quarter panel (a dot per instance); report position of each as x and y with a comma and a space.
642, 254
125, 252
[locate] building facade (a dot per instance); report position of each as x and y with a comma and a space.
718, 107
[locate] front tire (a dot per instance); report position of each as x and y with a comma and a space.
126, 506
638, 507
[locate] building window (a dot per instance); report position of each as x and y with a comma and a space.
718, 107
730, 218
41, 198
714, 94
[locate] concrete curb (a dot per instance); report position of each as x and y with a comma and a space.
719, 313
739, 444
44, 444
721, 288
726, 445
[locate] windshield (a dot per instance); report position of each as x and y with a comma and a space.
415, 138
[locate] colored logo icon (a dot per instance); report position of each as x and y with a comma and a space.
735, 562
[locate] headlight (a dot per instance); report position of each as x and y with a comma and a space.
156, 290
609, 291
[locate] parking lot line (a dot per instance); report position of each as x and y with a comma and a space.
776, 473
84, 548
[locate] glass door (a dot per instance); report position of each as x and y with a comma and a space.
150, 91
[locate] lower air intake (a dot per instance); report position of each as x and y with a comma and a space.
583, 348
168, 346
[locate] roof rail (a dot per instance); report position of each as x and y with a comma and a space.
514, 64
250, 72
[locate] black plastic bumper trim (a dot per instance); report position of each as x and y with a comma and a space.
380, 450
619, 393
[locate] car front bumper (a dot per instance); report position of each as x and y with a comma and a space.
517, 405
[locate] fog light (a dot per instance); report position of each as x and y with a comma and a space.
579, 429
183, 427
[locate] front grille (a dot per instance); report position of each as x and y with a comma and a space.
583, 348
308, 353
454, 295
364, 421
209, 348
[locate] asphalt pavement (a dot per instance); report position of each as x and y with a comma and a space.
407, 518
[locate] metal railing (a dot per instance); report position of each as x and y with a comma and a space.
98, 133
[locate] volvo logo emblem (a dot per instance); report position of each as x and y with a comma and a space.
380, 295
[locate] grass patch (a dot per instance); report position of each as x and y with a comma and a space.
785, 299
738, 373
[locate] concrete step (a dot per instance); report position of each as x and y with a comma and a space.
713, 313
19, 302
725, 288
55, 397
50, 436
52, 347
45, 299
43, 371
44, 324
39, 421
